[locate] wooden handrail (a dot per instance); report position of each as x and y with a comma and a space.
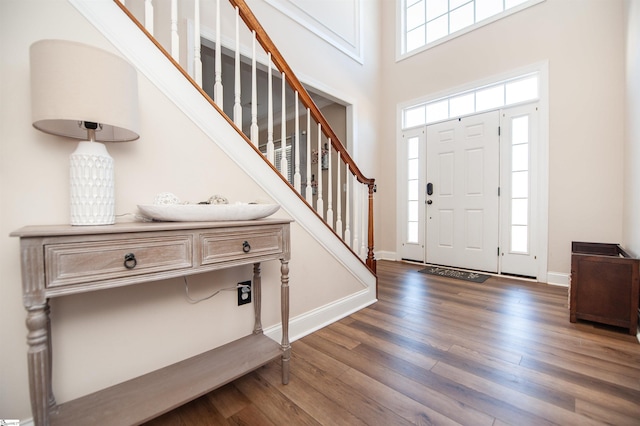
265, 41
267, 44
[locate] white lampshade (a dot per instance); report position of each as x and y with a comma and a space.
73, 84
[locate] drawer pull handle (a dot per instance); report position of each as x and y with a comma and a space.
130, 261
246, 247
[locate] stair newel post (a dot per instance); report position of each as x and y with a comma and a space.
217, 85
270, 149
237, 106
371, 261
309, 188
296, 175
148, 16
284, 164
319, 202
338, 228
329, 186
175, 38
254, 94
197, 54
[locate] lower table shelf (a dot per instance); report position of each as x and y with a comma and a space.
148, 396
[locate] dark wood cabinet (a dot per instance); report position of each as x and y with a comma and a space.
604, 285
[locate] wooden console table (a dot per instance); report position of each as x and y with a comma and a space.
62, 260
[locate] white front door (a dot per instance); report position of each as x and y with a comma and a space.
462, 211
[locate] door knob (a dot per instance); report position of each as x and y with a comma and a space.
429, 202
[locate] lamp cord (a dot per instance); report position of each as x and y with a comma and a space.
194, 301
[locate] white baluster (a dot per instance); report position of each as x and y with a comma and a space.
347, 215
319, 203
175, 39
284, 163
338, 228
356, 217
329, 186
296, 169
197, 55
217, 85
237, 106
148, 16
309, 189
254, 95
270, 155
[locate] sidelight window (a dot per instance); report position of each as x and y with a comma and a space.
413, 190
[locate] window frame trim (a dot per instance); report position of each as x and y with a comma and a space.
538, 68
401, 33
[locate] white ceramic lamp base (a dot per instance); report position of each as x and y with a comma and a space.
92, 188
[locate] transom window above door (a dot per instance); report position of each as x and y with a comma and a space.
426, 23
524, 88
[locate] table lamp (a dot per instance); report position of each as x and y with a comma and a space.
82, 92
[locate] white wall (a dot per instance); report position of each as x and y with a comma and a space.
632, 129
583, 44
108, 336
582, 40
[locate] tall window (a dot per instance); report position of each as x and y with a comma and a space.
426, 22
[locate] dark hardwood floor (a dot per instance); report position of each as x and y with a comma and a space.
441, 351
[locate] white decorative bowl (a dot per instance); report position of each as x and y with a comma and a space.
207, 212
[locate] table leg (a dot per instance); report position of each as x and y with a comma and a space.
39, 363
257, 298
52, 399
284, 306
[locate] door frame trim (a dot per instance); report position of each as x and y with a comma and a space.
542, 149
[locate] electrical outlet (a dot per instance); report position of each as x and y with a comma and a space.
244, 293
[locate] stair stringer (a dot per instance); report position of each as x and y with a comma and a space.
136, 47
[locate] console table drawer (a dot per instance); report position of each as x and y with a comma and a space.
81, 262
220, 247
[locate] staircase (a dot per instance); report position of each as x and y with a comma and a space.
337, 206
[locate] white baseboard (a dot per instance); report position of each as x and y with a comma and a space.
318, 318
386, 255
558, 278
